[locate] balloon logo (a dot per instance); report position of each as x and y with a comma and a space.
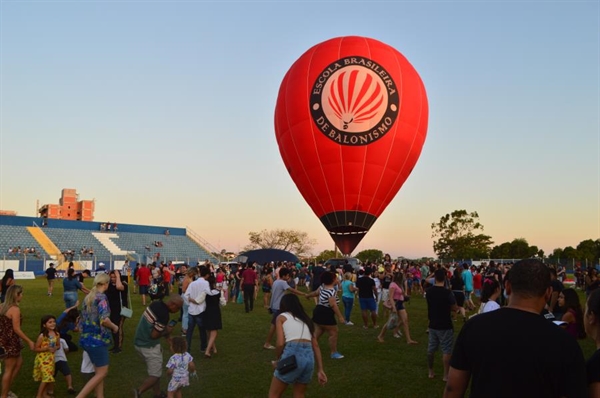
350, 122
353, 100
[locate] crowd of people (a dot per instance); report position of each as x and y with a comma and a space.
109, 227
18, 250
526, 300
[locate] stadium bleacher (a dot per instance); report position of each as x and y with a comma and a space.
137, 243
12, 237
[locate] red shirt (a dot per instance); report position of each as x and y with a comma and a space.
249, 277
477, 281
166, 275
143, 276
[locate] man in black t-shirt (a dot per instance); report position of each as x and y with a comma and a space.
440, 304
50, 276
82, 275
366, 298
519, 364
316, 276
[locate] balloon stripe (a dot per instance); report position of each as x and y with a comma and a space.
370, 112
317, 203
390, 148
366, 84
334, 103
351, 87
377, 92
340, 91
361, 102
340, 149
391, 192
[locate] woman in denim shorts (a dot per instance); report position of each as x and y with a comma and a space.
295, 336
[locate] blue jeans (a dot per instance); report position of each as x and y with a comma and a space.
184, 316
194, 320
348, 303
70, 298
305, 358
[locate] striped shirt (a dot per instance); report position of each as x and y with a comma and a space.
324, 295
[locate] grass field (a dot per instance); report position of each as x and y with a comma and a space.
242, 368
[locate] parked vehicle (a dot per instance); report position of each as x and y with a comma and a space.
341, 262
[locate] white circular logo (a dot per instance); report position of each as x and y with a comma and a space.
354, 101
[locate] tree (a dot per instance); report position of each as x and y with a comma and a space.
517, 249
501, 251
291, 240
457, 236
569, 253
370, 255
588, 251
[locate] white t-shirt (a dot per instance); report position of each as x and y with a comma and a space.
59, 354
490, 306
295, 329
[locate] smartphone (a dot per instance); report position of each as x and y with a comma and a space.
172, 323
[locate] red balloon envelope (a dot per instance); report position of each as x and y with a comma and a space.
350, 121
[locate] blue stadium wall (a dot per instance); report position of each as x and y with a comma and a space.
86, 225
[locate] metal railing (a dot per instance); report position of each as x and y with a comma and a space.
209, 248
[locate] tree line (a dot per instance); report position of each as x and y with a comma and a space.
456, 236
459, 235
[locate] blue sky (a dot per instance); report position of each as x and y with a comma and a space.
163, 112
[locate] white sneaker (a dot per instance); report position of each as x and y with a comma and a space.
349, 323
398, 335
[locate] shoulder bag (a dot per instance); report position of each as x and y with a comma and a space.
126, 311
287, 364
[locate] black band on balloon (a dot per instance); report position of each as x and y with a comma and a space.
348, 222
347, 228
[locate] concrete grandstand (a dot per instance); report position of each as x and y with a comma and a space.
32, 243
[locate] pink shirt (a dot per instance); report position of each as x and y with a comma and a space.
398, 294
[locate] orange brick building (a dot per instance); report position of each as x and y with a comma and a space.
69, 208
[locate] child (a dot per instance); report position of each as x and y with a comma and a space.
60, 364
87, 368
45, 346
179, 366
66, 323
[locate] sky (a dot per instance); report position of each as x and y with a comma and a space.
162, 111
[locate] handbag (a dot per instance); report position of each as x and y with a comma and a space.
287, 364
392, 322
125, 311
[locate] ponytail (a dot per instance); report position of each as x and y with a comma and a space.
489, 287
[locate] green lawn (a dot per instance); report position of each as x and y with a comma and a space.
242, 368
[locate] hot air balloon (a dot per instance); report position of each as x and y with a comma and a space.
350, 122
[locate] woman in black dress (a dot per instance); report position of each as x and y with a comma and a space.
117, 298
212, 316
